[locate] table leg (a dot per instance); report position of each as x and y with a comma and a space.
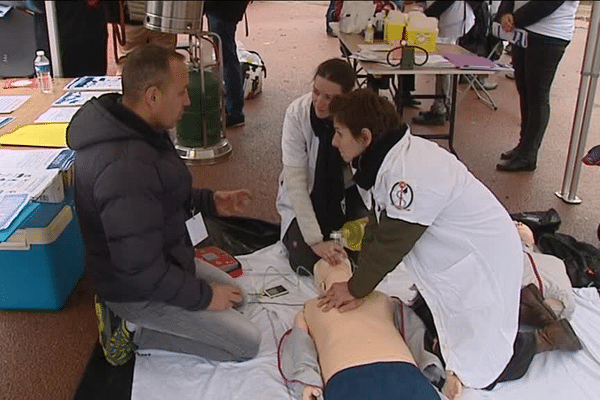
452, 114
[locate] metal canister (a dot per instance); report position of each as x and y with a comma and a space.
174, 16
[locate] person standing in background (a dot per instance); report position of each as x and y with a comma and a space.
134, 34
550, 26
455, 19
223, 17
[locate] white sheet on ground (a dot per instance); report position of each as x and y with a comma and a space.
163, 375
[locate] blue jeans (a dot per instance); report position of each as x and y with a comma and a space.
232, 71
217, 335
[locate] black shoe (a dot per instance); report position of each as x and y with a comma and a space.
516, 164
429, 118
411, 102
234, 122
509, 155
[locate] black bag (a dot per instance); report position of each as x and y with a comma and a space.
479, 39
581, 259
239, 235
539, 221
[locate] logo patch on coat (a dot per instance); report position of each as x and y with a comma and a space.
401, 195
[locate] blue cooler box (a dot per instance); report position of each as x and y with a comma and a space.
41, 257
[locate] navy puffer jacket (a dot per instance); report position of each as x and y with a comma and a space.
133, 195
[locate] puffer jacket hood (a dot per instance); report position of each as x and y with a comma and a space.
96, 121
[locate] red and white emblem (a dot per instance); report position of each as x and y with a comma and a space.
401, 195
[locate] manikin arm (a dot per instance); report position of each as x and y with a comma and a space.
299, 361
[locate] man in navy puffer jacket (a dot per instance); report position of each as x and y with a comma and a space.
133, 195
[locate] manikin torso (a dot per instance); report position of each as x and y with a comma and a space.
363, 336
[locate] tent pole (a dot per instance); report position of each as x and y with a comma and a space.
53, 38
583, 110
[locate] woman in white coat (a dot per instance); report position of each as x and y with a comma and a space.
316, 195
451, 232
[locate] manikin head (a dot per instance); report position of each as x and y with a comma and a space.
525, 233
326, 274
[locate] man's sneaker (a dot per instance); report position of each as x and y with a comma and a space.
116, 340
234, 122
429, 118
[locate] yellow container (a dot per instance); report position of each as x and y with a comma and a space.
425, 38
393, 33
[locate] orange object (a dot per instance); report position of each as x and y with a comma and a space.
219, 258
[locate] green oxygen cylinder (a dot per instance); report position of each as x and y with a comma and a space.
190, 131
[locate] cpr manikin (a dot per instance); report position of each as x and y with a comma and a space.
356, 345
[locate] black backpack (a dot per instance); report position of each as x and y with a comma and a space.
479, 39
581, 259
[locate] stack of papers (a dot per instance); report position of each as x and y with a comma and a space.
79, 91
5, 120
9, 104
30, 174
75, 99
98, 83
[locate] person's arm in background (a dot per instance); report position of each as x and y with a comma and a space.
527, 15
534, 11
438, 8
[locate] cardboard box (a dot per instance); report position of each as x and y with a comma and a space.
425, 38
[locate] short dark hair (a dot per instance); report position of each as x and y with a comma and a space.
146, 66
363, 108
337, 71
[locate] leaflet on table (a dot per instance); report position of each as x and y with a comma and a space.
9, 104
5, 120
44, 185
57, 114
517, 37
4, 10
27, 160
11, 206
98, 83
75, 99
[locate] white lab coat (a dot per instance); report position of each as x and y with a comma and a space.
468, 264
299, 148
457, 20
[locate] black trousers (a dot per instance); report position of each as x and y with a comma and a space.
535, 68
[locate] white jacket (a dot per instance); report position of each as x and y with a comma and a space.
468, 264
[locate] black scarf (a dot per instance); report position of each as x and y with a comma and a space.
328, 189
368, 163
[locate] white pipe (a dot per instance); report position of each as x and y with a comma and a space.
53, 39
583, 110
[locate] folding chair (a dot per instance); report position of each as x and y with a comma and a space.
482, 93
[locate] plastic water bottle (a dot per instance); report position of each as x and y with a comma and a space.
369, 32
42, 72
